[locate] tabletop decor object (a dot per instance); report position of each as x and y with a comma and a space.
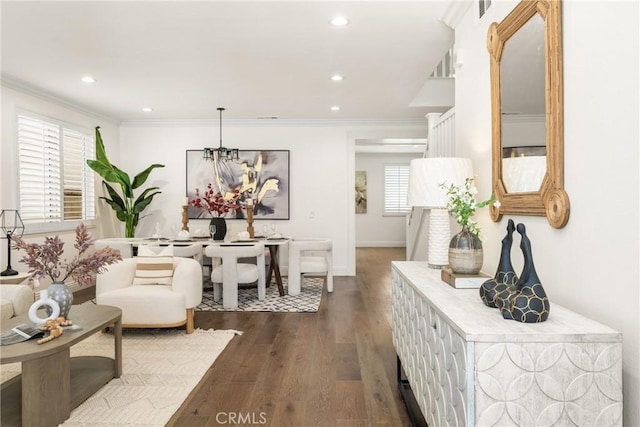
465, 248
47, 302
185, 214
250, 228
44, 260
11, 225
505, 277
461, 280
427, 180
217, 205
127, 206
527, 302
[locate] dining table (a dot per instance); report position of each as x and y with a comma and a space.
272, 244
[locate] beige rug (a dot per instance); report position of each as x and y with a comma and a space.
160, 368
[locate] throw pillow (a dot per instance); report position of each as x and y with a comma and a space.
154, 265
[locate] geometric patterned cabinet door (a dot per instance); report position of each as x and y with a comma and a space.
468, 366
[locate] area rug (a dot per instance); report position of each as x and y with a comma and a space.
307, 301
160, 368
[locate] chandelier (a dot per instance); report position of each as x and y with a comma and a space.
221, 153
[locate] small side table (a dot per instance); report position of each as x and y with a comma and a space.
15, 279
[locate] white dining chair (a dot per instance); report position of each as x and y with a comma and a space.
189, 251
124, 248
227, 276
310, 256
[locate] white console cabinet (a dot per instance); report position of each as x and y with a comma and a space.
467, 366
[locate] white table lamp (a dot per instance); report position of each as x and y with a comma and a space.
425, 177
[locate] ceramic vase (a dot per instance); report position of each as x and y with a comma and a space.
218, 228
465, 252
60, 293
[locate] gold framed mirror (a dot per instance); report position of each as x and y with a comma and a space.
525, 51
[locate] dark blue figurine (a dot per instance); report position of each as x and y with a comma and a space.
505, 278
528, 303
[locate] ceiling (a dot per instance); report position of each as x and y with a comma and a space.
257, 59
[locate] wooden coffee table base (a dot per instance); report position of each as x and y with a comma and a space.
52, 384
88, 375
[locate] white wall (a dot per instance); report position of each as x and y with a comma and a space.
372, 228
13, 100
322, 169
322, 165
592, 265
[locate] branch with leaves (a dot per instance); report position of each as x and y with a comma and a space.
44, 260
462, 204
126, 206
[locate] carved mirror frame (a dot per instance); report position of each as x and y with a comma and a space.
551, 200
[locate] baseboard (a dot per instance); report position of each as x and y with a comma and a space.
381, 244
337, 271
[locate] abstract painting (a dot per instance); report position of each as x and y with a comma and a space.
361, 192
260, 175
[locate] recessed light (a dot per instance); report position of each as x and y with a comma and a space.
147, 109
88, 79
336, 77
339, 21
335, 108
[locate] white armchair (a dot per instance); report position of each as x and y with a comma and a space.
152, 305
231, 272
314, 257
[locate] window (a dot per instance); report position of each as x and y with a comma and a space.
56, 185
396, 185
483, 6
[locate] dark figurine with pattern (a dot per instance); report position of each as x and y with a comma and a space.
505, 278
529, 302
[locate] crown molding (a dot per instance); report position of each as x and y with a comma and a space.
11, 82
454, 12
40, 93
275, 123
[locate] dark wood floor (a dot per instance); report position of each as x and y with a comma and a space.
336, 367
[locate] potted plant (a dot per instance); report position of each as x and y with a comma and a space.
217, 205
126, 206
44, 260
465, 248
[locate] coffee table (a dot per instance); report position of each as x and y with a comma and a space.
52, 383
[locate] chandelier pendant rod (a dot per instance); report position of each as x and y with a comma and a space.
221, 110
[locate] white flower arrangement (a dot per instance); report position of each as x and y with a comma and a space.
462, 204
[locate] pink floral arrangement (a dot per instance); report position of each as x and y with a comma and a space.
44, 260
215, 202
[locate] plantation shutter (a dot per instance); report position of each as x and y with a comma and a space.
55, 183
79, 193
39, 180
396, 186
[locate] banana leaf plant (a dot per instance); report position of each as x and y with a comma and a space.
126, 206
